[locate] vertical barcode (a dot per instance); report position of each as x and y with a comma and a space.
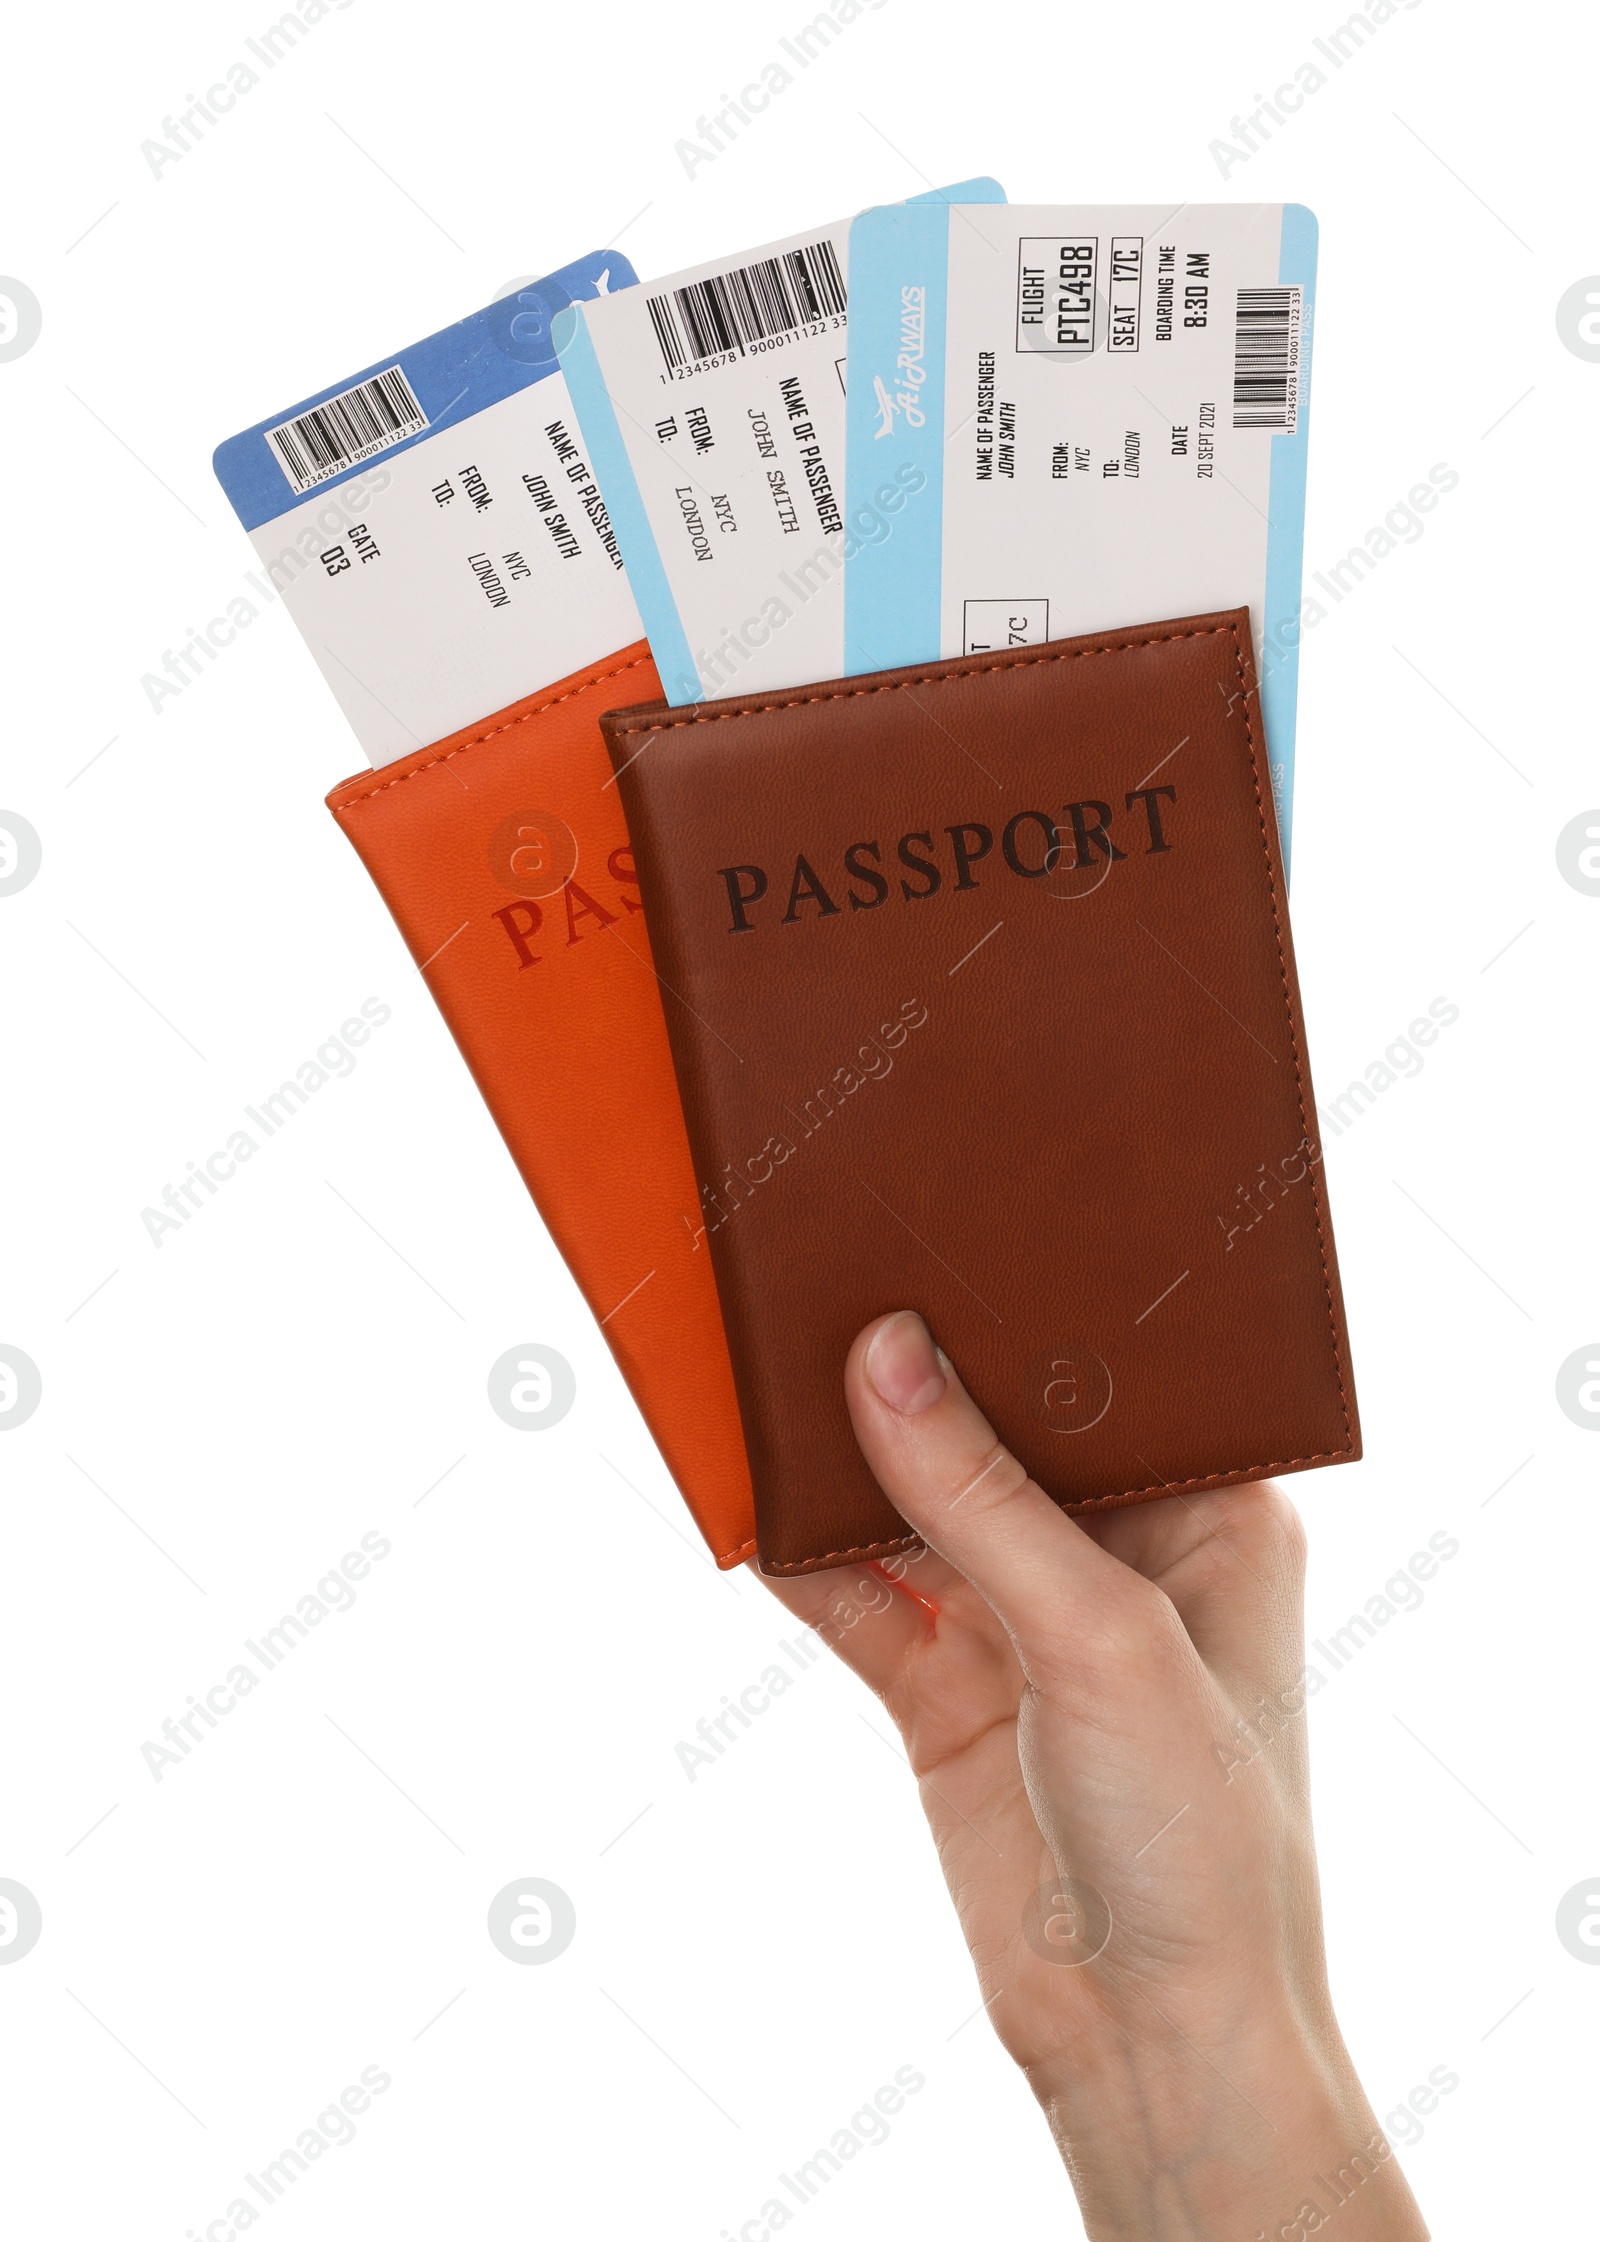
1266, 359
343, 430
723, 315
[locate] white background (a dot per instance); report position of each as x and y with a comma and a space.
225, 1416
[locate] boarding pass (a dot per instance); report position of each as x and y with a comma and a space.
1064, 418
434, 525
712, 405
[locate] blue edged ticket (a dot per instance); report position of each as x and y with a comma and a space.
712, 405
433, 524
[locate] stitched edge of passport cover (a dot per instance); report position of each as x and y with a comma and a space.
610, 1162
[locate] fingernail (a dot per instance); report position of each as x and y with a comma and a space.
902, 1366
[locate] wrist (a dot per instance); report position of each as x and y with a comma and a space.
1256, 2130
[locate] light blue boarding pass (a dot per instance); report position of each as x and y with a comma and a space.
1064, 418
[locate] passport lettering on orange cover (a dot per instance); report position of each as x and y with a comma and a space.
503, 855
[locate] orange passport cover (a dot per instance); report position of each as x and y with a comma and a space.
503, 854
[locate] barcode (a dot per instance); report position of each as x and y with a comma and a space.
1266, 359
343, 430
778, 296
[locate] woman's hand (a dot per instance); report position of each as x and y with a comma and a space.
1107, 1722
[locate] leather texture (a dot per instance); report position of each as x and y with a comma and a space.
983, 1003
502, 853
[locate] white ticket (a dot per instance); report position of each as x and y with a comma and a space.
712, 405
1075, 417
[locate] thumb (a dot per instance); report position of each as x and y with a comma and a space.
936, 1458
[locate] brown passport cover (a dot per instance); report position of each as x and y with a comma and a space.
982, 1002
502, 852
